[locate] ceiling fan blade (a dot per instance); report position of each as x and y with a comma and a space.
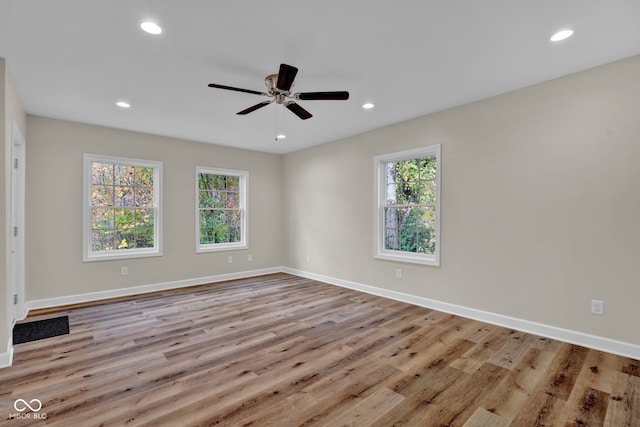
237, 89
286, 76
332, 96
254, 107
298, 110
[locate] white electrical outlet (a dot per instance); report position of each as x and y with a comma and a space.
124, 271
398, 274
249, 257
308, 257
597, 307
230, 259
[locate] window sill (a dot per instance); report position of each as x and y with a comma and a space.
221, 248
119, 256
431, 260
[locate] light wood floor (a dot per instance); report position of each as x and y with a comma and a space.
280, 350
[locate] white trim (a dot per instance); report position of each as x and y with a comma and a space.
87, 254
579, 338
244, 209
16, 277
573, 337
6, 358
380, 191
137, 290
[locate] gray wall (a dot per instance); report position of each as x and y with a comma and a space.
540, 204
54, 210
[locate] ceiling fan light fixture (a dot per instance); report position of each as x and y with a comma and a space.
561, 35
151, 27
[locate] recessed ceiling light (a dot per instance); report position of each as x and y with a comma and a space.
281, 136
561, 35
151, 27
368, 105
123, 104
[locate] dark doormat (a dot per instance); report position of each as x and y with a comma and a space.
40, 329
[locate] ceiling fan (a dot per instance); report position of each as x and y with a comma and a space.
279, 90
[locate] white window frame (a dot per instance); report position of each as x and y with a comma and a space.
380, 174
156, 250
244, 198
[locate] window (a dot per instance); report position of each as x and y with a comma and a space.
122, 208
221, 197
407, 211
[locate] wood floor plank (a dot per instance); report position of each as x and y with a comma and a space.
483, 418
483, 351
596, 369
508, 400
281, 350
624, 407
364, 412
455, 405
586, 407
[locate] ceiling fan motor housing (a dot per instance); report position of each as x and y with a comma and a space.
270, 81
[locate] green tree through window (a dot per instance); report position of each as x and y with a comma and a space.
221, 198
122, 211
410, 205
122, 207
407, 207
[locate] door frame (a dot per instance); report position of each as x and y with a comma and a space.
16, 309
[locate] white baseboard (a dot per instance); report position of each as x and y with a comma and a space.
6, 358
21, 312
579, 338
136, 290
553, 332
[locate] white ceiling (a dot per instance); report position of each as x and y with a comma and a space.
73, 59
